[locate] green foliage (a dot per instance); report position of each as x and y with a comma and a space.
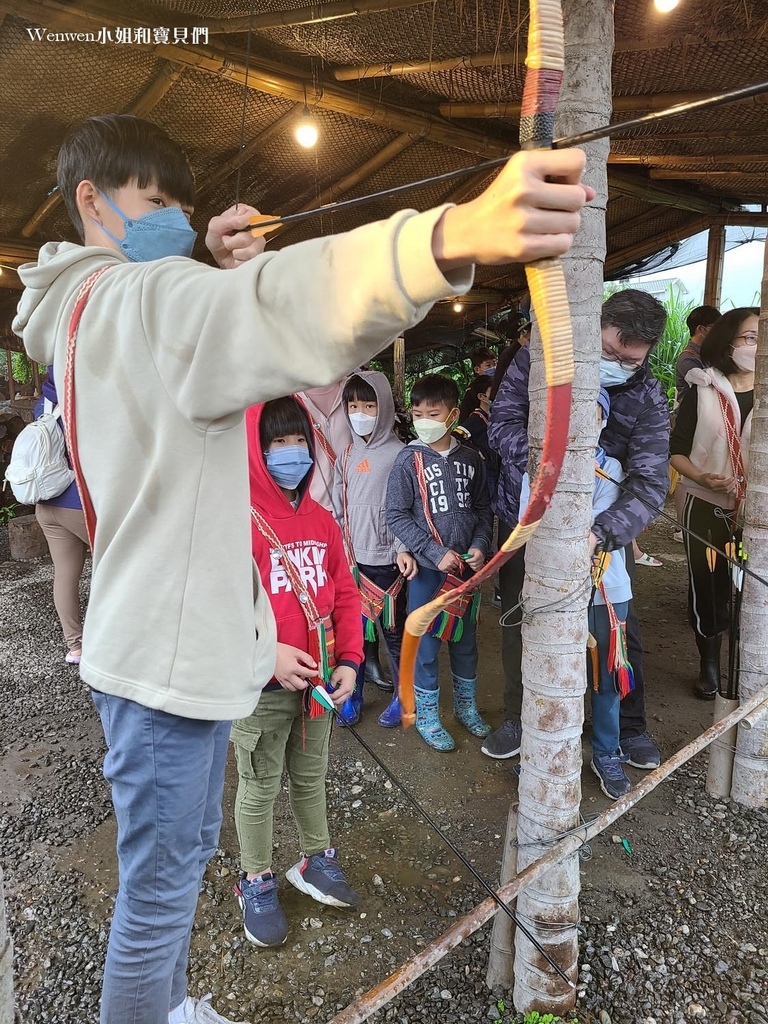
432, 361
664, 357
534, 1017
7, 513
21, 368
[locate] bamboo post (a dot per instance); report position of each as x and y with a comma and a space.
720, 770
383, 993
6, 963
501, 961
398, 363
713, 281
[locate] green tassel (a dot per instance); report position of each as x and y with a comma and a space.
475, 608
369, 629
324, 663
388, 613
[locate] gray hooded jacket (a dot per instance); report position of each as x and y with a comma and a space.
364, 472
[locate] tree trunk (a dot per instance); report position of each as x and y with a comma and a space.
557, 559
6, 963
750, 767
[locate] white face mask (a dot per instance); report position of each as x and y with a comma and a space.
362, 423
430, 431
612, 373
744, 357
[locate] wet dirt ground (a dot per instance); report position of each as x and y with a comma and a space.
57, 840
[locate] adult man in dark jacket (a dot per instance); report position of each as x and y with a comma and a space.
637, 434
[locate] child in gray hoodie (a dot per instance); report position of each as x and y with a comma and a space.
381, 562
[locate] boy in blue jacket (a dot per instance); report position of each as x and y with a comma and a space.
438, 505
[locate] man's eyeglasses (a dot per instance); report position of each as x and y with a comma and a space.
748, 339
625, 364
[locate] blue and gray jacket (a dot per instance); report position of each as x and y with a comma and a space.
637, 434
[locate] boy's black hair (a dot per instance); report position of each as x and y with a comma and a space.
637, 316
280, 417
479, 355
702, 316
716, 347
358, 390
434, 389
112, 150
478, 387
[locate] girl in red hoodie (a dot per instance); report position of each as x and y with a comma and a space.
300, 555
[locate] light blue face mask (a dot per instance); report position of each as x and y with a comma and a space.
163, 232
288, 465
612, 374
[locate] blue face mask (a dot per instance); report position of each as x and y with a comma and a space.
612, 374
163, 232
490, 373
289, 465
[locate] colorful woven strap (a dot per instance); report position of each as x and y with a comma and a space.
70, 412
321, 630
324, 443
421, 479
734, 447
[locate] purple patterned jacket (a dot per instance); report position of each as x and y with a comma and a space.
637, 434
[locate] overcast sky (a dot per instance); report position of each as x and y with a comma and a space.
741, 277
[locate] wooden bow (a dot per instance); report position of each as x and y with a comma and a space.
546, 282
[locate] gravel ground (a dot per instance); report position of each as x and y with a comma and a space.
673, 932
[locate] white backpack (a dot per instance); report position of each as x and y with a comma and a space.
39, 469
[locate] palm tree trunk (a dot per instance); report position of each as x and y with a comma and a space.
750, 767
557, 561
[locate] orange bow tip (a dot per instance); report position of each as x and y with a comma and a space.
263, 218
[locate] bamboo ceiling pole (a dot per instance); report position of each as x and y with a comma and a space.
479, 60
621, 104
315, 14
278, 80
383, 993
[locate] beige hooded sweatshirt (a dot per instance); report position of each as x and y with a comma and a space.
169, 355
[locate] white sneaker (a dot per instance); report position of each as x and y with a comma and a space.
200, 1011
678, 536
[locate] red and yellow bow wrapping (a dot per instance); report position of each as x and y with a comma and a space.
546, 281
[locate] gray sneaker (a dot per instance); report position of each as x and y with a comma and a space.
504, 742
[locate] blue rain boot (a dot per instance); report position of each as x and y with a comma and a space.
428, 724
465, 708
350, 711
390, 716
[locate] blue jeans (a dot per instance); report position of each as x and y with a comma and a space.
606, 701
463, 653
167, 779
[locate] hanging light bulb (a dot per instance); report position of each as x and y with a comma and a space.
665, 6
458, 307
306, 130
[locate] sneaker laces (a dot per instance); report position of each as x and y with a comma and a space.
204, 1013
328, 864
261, 893
610, 765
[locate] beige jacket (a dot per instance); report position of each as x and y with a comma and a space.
337, 431
709, 451
170, 353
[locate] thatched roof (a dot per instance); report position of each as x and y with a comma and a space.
401, 89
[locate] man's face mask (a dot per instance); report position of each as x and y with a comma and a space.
159, 233
612, 373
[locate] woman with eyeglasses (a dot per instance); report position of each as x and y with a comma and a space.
709, 448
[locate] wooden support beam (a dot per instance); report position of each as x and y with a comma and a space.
334, 192
682, 199
709, 162
398, 366
148, 98
313, 15
479, 60
743, 220
293, 84
621, 105
713, 279
251, 149
623, 257
673, 174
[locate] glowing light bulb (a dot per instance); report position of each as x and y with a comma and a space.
665, 6
457, 307
306, 132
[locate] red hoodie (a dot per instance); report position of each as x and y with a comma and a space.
311, 534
